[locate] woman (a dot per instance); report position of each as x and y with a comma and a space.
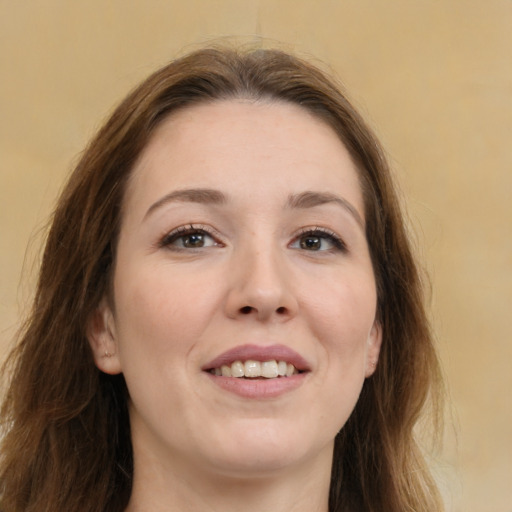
228, 313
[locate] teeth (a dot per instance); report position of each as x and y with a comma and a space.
269, 369
253, 369
237, 369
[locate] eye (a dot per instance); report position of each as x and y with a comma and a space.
319, 240
188, 237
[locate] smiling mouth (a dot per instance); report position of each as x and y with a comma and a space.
252, 369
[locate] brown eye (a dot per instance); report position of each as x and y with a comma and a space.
311, 243
318, 240
193, 240
188, 238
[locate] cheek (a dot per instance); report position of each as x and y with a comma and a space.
157, 326
161, 310
343, 320
343, 314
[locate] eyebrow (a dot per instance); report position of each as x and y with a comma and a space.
304, 200
311, 199
191, 195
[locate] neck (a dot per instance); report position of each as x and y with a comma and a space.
302, 488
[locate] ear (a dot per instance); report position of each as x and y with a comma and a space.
373, 349
101, 333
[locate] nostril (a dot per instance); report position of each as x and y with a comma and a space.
247, 310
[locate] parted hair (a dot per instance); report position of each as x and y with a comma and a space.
65, 428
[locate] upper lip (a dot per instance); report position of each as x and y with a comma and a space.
258, 353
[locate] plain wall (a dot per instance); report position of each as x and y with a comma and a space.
433, 77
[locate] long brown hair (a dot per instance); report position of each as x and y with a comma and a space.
66, 441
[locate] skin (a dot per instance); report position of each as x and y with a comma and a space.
252, 278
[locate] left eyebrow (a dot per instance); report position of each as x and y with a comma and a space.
310, 199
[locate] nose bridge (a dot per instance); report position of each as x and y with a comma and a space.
261, 284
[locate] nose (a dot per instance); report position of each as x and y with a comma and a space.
261, 287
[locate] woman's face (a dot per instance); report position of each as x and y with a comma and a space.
242, 255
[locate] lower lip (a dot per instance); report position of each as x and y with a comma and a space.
258, 388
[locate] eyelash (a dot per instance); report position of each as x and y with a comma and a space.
182, 231
331, 236
191, 229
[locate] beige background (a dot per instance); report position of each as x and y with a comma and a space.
433, 77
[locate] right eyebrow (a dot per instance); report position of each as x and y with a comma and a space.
191, 195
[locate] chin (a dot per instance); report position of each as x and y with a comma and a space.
259, 464
265, 449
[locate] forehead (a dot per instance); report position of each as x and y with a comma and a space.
243, 144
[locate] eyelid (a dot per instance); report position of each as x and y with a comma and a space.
336, 239
169, 236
